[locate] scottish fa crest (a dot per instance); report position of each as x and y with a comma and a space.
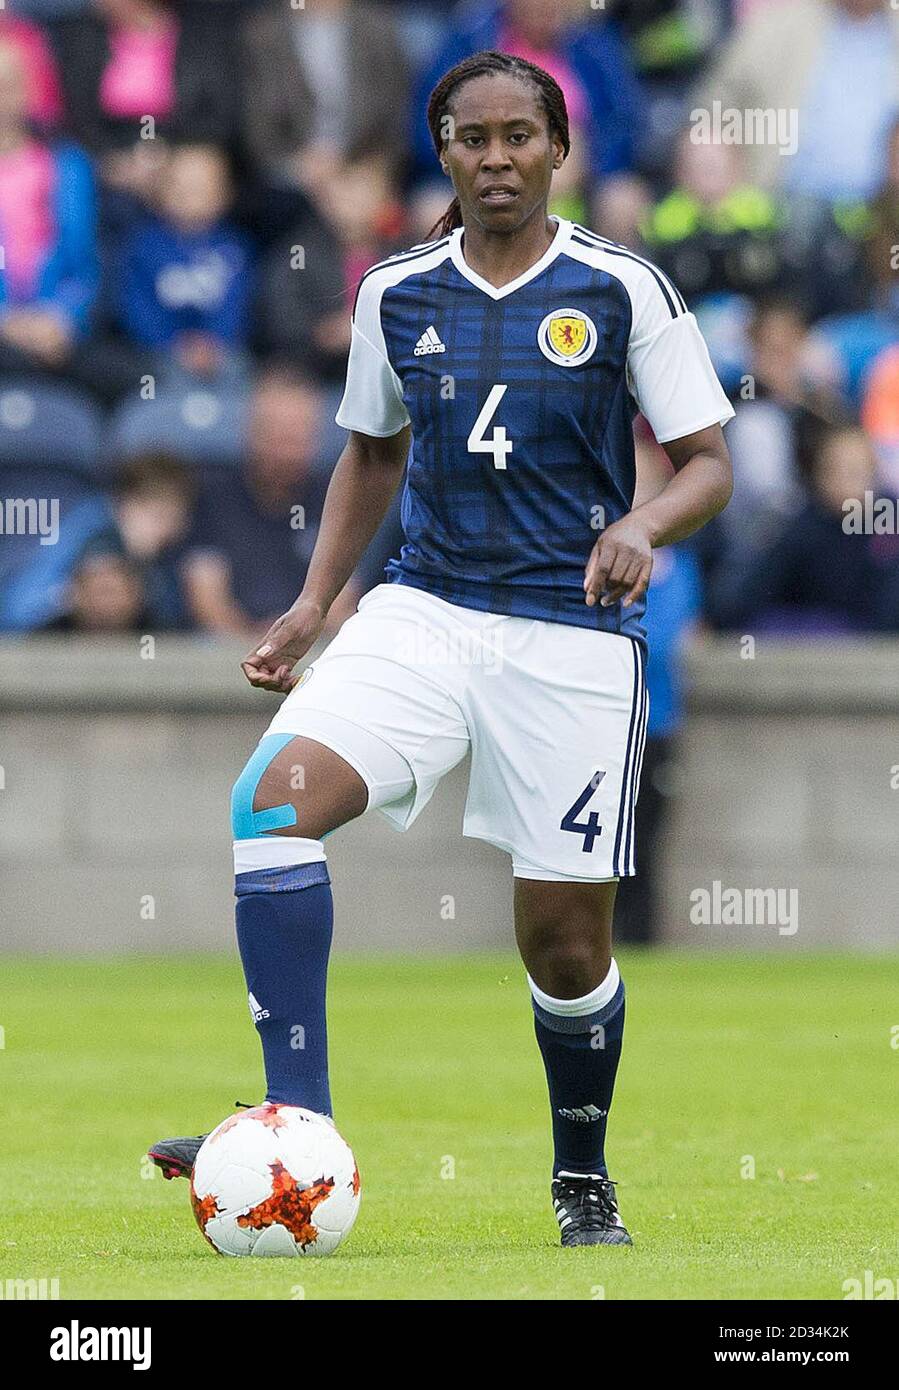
567, 337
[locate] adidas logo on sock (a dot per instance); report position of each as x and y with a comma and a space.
585, 1113
256, 1010
429, 342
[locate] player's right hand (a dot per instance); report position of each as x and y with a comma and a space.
269, 666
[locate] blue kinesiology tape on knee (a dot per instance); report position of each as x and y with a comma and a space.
247, 824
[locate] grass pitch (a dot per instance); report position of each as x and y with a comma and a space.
776, 1066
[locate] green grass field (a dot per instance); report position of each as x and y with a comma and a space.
781, 1062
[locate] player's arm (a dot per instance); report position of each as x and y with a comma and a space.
672, 380
621, 562
362, 487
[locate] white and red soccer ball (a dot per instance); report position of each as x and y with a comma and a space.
275, 1180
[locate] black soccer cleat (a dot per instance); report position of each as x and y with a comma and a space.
176, 1157
587, 1210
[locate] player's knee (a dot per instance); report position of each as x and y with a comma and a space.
573, 969
566, 957
304, 790
261, 799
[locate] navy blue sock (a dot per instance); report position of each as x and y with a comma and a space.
581, 1055
284, 925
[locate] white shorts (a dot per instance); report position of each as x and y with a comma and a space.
554, 717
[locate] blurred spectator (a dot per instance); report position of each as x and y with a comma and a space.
880, 414
143, 520
620, 209
587, 57
669, 41
34, 578
714, 232
855, 340
323, 82
786, 403
188, 276
835, 63
136, 70
572, 185
254, 532
817, 575
421, 25
153, 501
672, 37
309, 282
302, 310
426, 204
363, 207
105, 595
885, 205
43, 92
49, 276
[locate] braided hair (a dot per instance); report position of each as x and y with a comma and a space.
490, 61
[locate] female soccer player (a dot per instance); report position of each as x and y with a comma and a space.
511, 354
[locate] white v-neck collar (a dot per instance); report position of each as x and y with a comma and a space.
558, 244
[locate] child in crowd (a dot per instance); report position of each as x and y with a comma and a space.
188, 272
105, 595
153, 505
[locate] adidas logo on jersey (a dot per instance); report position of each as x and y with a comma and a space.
429, 342
255, 1009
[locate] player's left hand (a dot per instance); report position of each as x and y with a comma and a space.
620, 564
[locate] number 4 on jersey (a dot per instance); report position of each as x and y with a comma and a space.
499, 445
589, 828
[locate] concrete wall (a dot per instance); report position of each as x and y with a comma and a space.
117, 771
789, 778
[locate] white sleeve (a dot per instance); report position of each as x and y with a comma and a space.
670, 373
373, 396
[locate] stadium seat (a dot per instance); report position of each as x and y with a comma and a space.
200, 424
48, 425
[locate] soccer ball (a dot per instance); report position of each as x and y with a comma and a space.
275, 1180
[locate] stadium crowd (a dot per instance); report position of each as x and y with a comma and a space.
191, 189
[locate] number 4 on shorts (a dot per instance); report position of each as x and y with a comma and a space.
589, 828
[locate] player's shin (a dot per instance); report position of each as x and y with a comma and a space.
580, 1040
284, 925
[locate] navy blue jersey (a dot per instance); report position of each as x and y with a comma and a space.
521, 401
